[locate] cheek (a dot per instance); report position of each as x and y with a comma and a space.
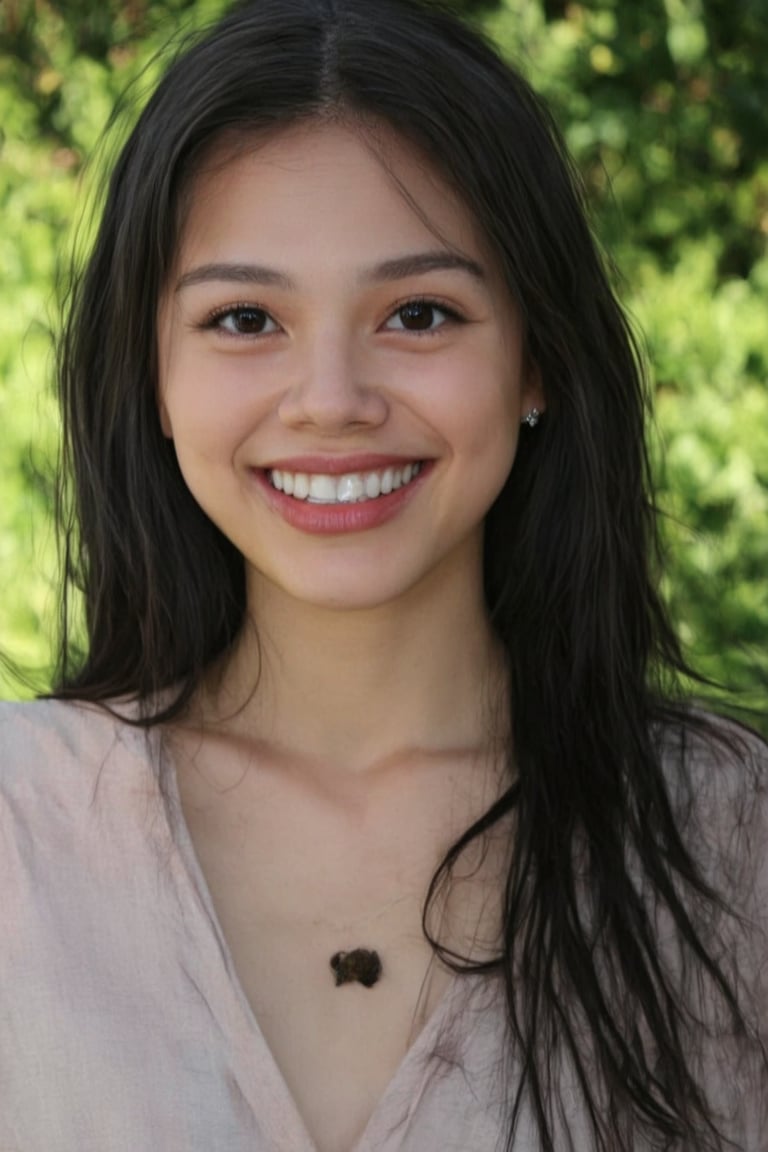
486, 416
204, 400
489, 426
201, 419
498, 452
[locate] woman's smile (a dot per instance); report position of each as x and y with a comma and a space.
324, 503
348, 488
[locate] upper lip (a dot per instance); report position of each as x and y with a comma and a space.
340, 465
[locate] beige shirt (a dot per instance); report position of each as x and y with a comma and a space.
123, 1027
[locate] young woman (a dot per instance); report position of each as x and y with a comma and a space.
367, 819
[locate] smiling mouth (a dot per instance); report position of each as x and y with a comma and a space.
350, 488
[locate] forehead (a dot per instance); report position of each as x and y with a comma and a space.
349, 183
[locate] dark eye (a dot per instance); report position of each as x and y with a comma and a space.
418, 316
246, 322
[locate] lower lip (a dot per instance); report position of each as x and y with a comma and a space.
336, 519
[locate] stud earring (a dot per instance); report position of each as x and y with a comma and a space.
532, 418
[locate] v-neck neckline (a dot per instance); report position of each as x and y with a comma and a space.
380, 1121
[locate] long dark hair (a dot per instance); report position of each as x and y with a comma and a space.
570, 552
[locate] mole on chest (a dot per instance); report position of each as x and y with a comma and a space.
361, 966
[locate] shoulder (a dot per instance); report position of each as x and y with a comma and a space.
23, 719
717, 774
709, 745
63, 726
56, 746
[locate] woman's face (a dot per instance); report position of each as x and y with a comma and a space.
341, 367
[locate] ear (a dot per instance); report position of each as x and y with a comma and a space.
532, 393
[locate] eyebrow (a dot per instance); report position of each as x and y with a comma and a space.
400, 268
421, 262
235, 274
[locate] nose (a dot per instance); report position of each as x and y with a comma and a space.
329, 391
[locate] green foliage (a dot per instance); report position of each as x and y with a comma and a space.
37, 199
663, 105
63, 68
664, 108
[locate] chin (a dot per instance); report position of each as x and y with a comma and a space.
337, 591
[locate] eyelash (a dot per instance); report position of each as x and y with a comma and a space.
214, 320
452, 316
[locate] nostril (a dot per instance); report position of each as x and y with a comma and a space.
333, 406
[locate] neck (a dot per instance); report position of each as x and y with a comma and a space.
356, 689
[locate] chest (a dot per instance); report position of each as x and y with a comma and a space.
293, 884
337, 1046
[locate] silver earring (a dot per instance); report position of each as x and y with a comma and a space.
532, 418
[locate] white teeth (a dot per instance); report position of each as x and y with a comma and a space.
322, 488
351, 488
301, 486
372, 485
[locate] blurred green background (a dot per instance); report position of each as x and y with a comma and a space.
664, 105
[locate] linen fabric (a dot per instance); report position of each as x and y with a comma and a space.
123, 1026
